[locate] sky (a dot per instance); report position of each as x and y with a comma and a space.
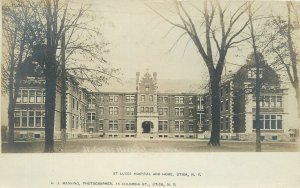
140, 39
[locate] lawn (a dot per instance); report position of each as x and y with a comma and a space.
142, 145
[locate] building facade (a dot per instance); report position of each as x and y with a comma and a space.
148, 113
144, 113
238, 105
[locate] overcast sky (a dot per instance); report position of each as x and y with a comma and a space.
138, 40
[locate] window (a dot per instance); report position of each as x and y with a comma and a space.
19, 96
24, 96
38, 96
151, 109
160, 99
179, 100
44, 96
73, 122
143, 98
129, 125
179, 111
268, 101
142, 109
221, 106
113, 110
73, 103
191, 100
269, 121
91, 101
101, 110
252, 73
38, 119
101, 98
129, 110
191, 126
31, 96
191, 112
77, 106
113, 98
146, 109
227, 105
130, 99
91, 117
163, 111
17, 119
200, 103
31, 118
150, 97
113, 125
24, 119
279, 101
101, 122
162, 125
165, 99
179, 125
147, 88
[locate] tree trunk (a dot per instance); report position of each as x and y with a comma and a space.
11, 117
215, 100
63, 94
50, 77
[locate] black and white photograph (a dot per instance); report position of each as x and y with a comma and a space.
149, 78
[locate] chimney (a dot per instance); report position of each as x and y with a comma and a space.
154, 76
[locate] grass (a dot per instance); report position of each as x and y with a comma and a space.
142, 145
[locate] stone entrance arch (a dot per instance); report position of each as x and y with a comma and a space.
147, 127
144, 123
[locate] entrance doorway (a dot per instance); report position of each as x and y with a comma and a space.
147, 126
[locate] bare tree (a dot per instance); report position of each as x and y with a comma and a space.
17, 46
282, 32
222, 29
52, 18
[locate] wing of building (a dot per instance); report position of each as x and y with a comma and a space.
146, 107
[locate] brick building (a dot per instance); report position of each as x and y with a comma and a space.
146, 111
238, 105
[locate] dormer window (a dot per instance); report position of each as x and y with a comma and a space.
252, 73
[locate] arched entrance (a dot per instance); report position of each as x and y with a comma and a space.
147, 126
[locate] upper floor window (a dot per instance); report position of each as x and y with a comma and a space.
143, 98
91, 101
113, 98
150, 97
91, 117
101, 110
113, 110
147, 88
129, 110
130, 99
268, 101
179, 100
191, 112
163, 111
252, 73
179, 111
191, 101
